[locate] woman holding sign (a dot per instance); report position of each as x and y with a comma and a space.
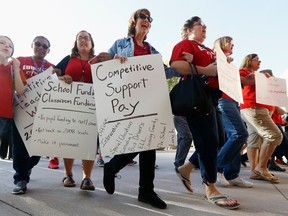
229, 157
263, 132
76, 67
135, 45
205, 140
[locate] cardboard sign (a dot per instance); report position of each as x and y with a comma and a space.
65, 123
228, 77
132, 105
271, 91
25, 106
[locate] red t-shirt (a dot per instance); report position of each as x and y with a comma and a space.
277, 118
202, 56
28, 68
79, 70
249, 95
6, 92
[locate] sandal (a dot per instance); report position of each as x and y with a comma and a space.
68, 181
87, 184
223, 201
271, 178
186, 182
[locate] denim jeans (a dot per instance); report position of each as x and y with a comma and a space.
184, 140
22, 162
229, 158
204, 130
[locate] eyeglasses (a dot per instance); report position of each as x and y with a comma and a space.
143, 17
199, 23
85, 38
38, 44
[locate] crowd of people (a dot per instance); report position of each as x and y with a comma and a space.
218, 148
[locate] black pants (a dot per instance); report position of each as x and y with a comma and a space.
147, 161
6, 142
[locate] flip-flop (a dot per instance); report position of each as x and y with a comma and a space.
217, 201
186, 182
271, 179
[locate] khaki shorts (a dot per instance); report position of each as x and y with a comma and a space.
260, 127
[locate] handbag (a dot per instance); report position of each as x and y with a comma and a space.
190, 95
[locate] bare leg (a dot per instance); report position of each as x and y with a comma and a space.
68, 164
87, 166
253, 155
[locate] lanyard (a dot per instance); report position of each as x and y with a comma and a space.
36, 65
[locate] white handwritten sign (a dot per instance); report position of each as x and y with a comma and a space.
228, 77
65, 124
270, 91
132, 105
25, 106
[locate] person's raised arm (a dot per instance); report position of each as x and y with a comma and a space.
18, 83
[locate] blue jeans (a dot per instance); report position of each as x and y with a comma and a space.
204, 130
22, 162
184, 140
229, 158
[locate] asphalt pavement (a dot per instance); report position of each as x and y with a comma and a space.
46, 195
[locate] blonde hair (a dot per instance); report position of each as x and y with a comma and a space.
223, 41
246, 63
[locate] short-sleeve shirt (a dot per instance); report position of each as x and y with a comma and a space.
249, 94
6, 92
202, 56
28, 69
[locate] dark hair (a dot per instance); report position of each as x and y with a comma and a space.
37, 37
11, 42
189, 24
133, 19
75, 51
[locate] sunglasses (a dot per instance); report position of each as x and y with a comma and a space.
201, 23
38, 44
143, 17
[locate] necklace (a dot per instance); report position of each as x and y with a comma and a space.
83, 67
38, 70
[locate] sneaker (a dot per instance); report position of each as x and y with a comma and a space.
274, 167
68, 181
87, 184
53, 163
108, 179
221, 180
153, 199
240, 183
20, 188
100, 163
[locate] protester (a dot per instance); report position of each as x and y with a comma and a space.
135, 45
229, 157
29, 66
204, 127
263, 132
76, 67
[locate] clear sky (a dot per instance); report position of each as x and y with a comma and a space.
256, 26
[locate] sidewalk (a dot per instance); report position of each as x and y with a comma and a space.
47, 196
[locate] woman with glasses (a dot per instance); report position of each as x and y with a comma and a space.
204, 128
29, 66
263, 132
135, 45
76, 67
